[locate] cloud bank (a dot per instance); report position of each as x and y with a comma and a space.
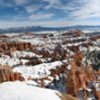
49, 12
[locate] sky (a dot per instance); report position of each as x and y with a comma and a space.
49, 13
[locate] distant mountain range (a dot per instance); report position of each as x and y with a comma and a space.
40, 28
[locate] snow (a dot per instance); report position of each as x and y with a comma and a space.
37, 71
84, 49
70, 52
51, 78
76, 44
24, 61
15, 59
97, 85
46, 82
30, 82
35, 41
24, 54
21, 91
69, 67
6, 60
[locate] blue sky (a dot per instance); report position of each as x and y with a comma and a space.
53, 13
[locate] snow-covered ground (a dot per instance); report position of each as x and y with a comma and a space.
37, 71
21, 91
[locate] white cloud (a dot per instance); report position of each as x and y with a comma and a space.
40, 16
53, 3
90, 9
32, 8
80, 11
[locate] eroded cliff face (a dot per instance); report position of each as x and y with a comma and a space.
7, 74
8, 47
84, 79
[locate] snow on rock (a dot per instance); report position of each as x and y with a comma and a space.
31, 82
6, 60
37, 71
21, 91
84, 49
24, 54
97, 86
69, 67
35, 41
24, 61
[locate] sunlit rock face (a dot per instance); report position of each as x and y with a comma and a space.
9, 47
7, 74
